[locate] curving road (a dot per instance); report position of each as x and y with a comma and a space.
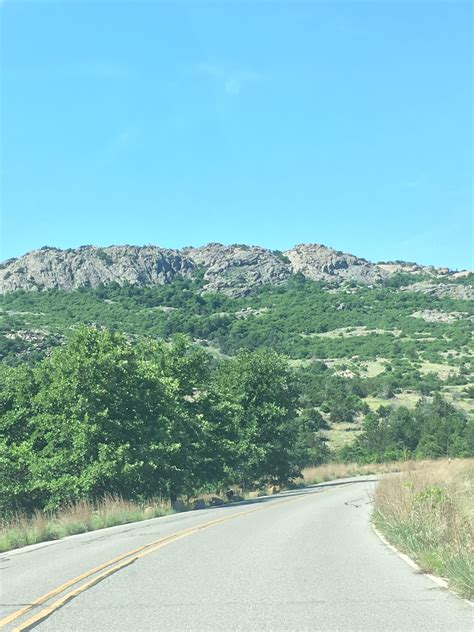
302, 560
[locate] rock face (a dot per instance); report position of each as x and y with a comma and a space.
437, 316
90, 266
442, 290
322, 263
237, 269
234, 270
412, 268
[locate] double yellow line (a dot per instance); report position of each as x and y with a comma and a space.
110, 567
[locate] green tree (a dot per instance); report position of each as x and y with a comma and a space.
261, 396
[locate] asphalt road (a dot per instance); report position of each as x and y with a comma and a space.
303, 560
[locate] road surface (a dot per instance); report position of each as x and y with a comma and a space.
302, 560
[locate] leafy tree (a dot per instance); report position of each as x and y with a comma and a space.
260, 393
444, 430
434, 429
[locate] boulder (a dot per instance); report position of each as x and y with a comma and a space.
178, 505
216, 501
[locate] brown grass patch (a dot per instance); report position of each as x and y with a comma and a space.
427, 511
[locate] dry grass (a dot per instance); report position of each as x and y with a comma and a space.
331, 471
349, 332
427, 511
76, 518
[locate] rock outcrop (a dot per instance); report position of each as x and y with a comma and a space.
235, 270
238, 269
442, 290
325, 264
86, 266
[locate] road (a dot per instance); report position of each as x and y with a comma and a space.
302, 560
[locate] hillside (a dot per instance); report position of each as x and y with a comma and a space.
362, 337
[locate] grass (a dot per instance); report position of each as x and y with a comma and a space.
405, 398
428, 513
332, 471
426, 510
342, 434
374, 367
349, 332
456, 396
76, 518
443, 371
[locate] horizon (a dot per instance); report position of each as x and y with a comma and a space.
226, 245
335, 123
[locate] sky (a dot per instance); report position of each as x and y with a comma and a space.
267, 123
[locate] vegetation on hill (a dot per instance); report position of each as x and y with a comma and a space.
301, 319
259, 387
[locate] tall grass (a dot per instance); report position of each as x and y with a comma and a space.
428, 512
79, 517
332, 471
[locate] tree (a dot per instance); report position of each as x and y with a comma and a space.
103, 419
444, 430
260, 394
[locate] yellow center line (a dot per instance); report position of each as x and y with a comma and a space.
115, 564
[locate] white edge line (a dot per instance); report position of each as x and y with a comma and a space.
434, 578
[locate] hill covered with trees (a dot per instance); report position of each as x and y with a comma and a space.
167, 389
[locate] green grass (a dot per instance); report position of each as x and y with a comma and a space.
428, 514
404, 398
342, 434
80, 517
374, 367
442, 370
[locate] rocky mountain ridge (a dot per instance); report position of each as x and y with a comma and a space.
235, 269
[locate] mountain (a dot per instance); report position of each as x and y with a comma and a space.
361, 336
234, 270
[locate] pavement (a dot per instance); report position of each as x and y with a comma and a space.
302, 560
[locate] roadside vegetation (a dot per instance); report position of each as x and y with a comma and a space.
138, 393
333, 471
79, 517
428, 513
103, 415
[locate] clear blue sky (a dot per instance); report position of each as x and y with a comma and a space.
269, 123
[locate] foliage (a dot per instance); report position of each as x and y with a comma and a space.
433, 429
260, 397
89, 411
103, 415
289, 318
